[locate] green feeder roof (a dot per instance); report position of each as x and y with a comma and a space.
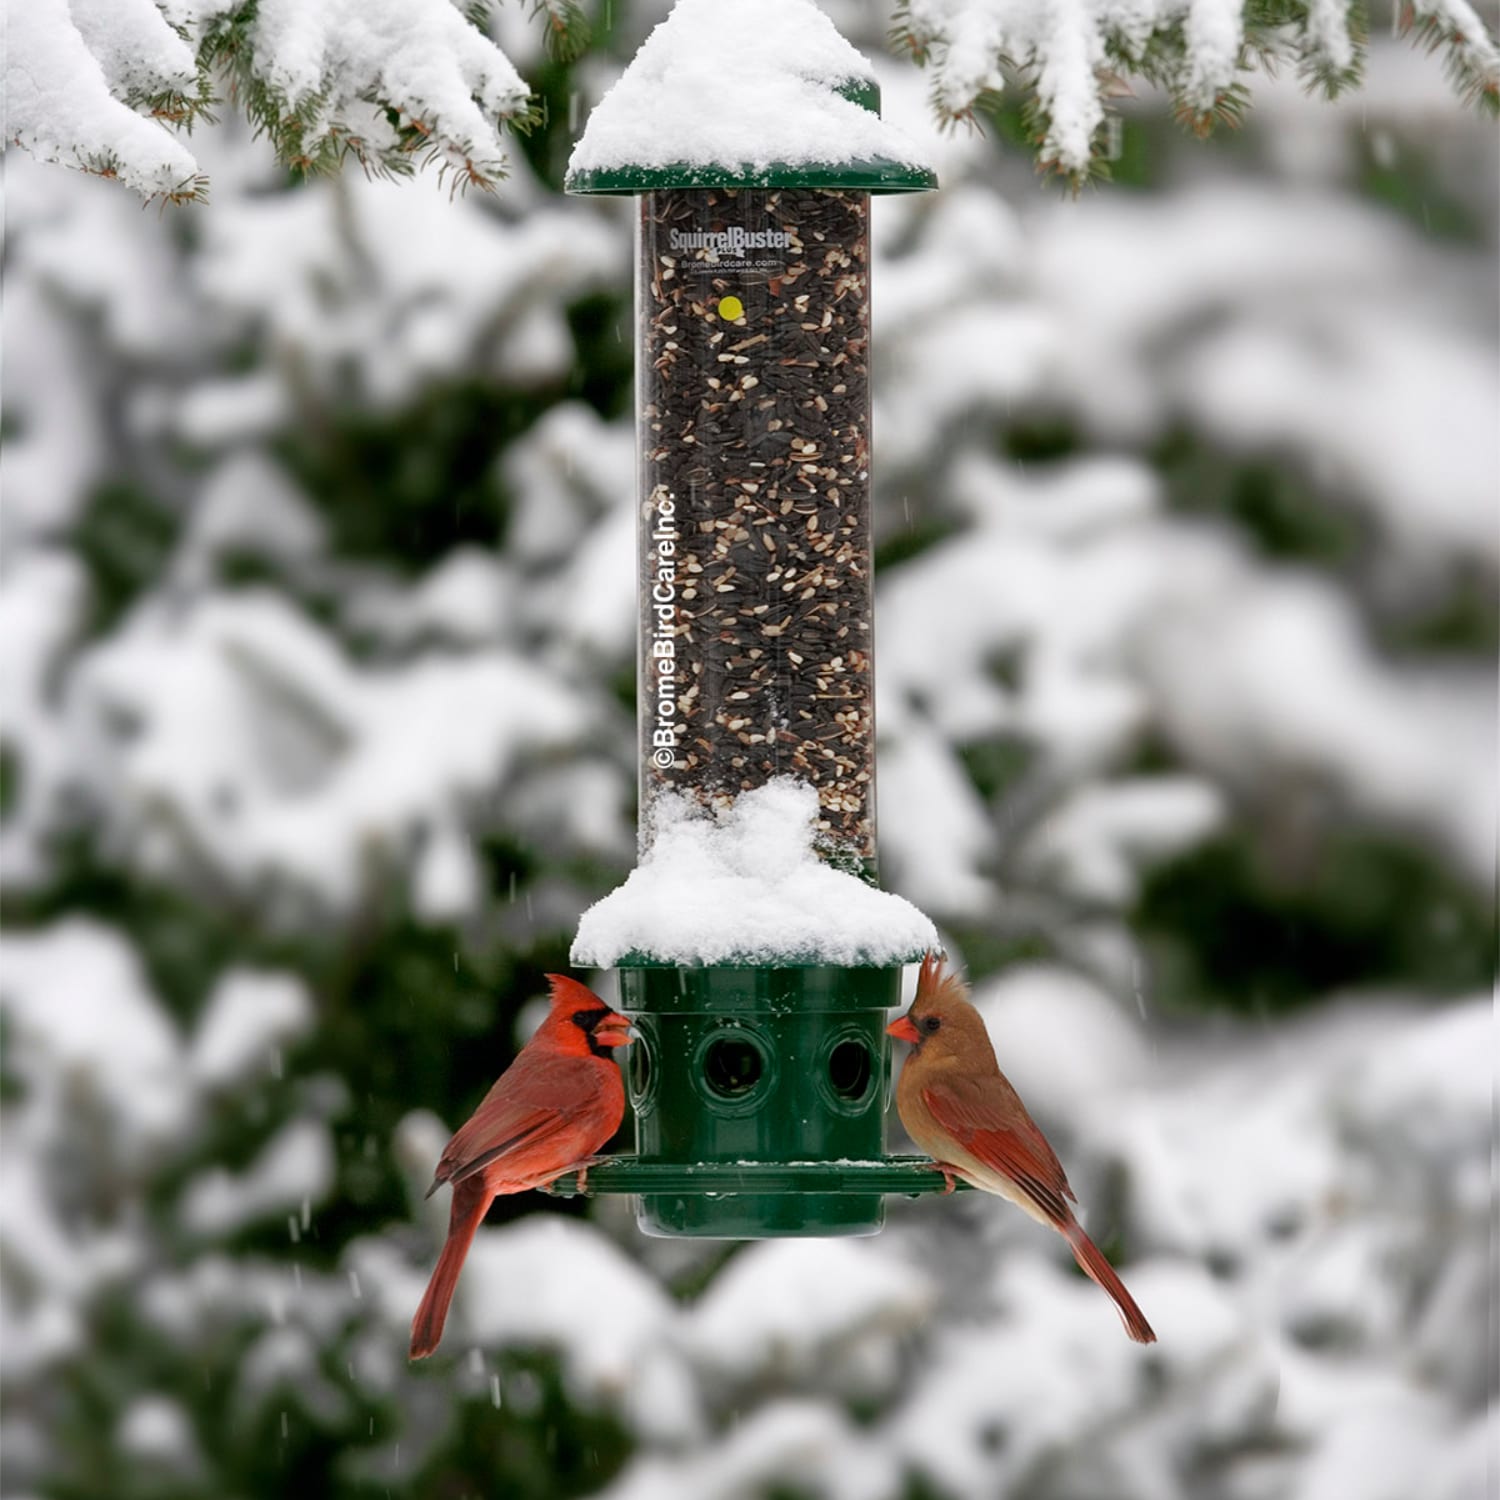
745, 94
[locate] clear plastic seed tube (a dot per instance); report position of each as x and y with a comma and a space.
754, 407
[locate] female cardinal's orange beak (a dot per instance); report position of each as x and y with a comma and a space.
904, 1029
614, 1030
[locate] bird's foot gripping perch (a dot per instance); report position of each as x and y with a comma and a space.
580, 1187
950, 1176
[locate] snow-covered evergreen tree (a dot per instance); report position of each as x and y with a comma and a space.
316, 602
114, 88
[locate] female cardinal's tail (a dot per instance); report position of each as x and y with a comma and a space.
1091, 1261
470, 1204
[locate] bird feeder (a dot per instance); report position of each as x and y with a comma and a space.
759, 1090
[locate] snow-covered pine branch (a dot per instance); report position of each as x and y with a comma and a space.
1076, 55
96, 84
103, 85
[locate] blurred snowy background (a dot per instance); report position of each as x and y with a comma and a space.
316, 677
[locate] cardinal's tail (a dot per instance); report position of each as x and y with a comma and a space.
471, 1202
1091, 1261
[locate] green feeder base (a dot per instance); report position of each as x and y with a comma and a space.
759, 1097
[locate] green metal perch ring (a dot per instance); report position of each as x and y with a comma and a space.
904, 1176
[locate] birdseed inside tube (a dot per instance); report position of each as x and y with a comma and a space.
754, 532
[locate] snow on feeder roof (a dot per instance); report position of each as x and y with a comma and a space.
747, 887
745, 93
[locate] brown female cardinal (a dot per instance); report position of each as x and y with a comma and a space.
960, 1109
551, 1110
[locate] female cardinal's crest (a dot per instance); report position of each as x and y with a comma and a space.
934, 986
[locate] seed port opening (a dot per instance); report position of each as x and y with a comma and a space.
639, 1071
733, 1066
850, 1069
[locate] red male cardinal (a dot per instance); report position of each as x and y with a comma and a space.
960, 1109
550, 1111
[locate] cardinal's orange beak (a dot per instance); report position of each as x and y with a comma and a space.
614, 1030
904, 1029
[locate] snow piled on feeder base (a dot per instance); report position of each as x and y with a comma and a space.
746, 886
740, 85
